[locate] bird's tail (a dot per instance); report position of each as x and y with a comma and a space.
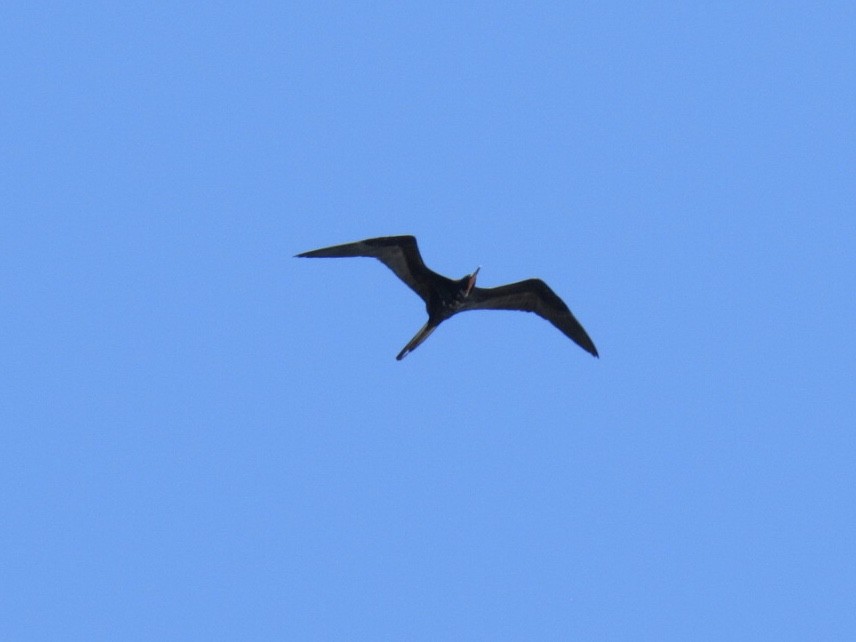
424, 332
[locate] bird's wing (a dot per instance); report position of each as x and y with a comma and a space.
399, 253
532, 295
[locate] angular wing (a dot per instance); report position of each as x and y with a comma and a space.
532, 295
399, 253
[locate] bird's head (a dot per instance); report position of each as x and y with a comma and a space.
471, 282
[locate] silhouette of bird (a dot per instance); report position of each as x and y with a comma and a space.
446, 297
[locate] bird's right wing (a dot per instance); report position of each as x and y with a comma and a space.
533, 295
399, 253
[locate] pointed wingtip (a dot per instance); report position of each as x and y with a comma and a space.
587, 344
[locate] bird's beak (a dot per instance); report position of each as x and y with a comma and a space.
472, 282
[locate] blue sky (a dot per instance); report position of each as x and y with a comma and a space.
205, 438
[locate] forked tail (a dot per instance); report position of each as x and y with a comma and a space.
423, 334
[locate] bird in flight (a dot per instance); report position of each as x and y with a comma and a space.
446, 297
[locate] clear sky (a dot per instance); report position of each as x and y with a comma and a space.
202, 437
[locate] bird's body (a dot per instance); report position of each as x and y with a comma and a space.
446, 297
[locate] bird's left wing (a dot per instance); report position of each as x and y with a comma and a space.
533, 295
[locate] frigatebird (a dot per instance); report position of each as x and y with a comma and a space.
446, 297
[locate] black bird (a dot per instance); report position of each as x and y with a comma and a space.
446, 297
